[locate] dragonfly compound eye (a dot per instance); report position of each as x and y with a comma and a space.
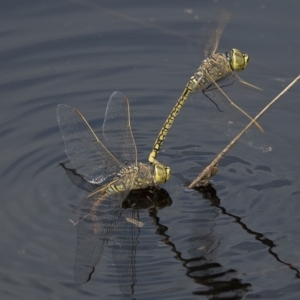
161, 173
239, 60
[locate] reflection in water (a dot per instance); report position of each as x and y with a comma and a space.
95, 229
123, 224
211, 194
205, 272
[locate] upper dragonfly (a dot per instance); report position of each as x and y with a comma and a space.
116, 163
217, 67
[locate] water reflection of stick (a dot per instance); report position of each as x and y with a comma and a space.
211, 170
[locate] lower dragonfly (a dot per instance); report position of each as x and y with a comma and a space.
126, 231
214, 70
114, 165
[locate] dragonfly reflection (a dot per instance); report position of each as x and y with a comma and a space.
90, 244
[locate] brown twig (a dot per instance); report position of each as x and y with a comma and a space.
211, 169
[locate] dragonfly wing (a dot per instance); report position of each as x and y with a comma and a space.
225, 116
223, 82
124, 249
117, 129
78, 180
89, 156
237, 117
96, 226
215, 36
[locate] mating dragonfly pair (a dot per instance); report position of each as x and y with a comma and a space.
112, 161
117, 154
111, 170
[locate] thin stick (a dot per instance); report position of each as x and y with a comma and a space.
204, 176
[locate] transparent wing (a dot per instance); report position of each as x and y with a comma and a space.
95, 228
78, 180
117, 129
226, 114
215, 36
227, 117
126, 236
236, 115
89, 156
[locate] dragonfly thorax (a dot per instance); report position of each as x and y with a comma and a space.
212, 69
136, 176
238, 60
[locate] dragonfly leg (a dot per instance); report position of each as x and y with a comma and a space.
247, 83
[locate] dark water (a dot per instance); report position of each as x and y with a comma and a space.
239, 241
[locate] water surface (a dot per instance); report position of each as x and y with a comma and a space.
238, 241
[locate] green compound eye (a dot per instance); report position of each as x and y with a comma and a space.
238, 60
161, 173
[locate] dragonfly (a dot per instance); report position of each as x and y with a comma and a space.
126, 232
215, 69
113, 167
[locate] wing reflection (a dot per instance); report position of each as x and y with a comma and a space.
93, 233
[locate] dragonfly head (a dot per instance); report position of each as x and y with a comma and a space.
238, 60
162, 173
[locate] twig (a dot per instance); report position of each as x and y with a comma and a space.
210, 170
